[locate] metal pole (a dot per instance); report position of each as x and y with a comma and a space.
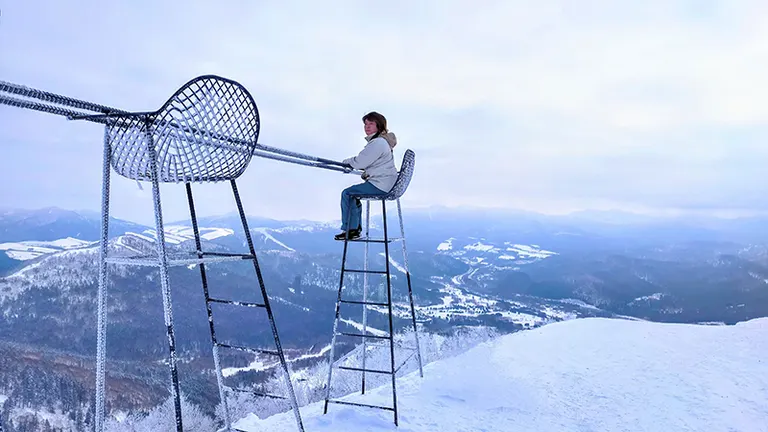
298, 155
365, 284
106, 114
203, 276
164, 280
389, 301
336, 318
410, 290
101, 320
272, 323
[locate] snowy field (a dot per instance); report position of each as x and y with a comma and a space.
592, 374
29, 250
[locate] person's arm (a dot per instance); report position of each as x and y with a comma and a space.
366, 156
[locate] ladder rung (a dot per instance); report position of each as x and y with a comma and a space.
360, 405
365, 370
225, 254
247, 349
256, 393
386, 345
364, 303
237, 303
405, 361
365, 271
376, 240
363, 335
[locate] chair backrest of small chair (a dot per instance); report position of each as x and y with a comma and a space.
404, 177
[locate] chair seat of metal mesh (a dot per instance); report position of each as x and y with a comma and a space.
401, 184
206, 132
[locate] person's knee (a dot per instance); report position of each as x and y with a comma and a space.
345, 194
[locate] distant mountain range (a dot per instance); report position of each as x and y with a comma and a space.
507, 270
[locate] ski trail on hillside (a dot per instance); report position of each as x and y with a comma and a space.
394, 263
368, 328
271, 237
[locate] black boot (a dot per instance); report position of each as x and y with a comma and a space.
353, 234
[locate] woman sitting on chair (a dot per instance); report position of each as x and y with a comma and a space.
379, 172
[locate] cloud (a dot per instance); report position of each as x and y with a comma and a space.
563, 105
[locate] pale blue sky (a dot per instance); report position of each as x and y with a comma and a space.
651, 105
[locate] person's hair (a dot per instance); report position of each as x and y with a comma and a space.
380, 120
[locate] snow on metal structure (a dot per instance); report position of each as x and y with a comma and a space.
206, 132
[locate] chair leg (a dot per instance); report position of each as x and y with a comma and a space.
365, 284
101, 326
332, 351
268, 307
389, 302
410, 290
164, 279
204, 279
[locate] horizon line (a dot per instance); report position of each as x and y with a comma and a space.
656, 214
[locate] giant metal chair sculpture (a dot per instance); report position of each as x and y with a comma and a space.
397, 191
206, 132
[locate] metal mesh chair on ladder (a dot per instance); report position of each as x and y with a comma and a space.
398, 189
206, 132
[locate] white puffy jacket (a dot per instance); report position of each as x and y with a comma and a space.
377, 160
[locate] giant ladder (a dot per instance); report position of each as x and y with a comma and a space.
206, 132
401, 185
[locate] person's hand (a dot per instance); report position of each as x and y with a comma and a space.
365, 175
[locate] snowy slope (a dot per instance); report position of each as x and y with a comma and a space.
28, 250
591, 374
174, 234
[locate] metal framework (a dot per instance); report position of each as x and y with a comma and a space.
206, 132
397, 191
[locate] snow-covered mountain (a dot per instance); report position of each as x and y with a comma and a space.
581, 375
53, 223
507, 274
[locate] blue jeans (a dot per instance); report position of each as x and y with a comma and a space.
353, 212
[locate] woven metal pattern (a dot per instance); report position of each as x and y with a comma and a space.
206, 132
402, 182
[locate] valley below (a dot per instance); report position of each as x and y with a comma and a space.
516, 273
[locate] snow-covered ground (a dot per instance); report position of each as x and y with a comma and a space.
593, 374
174, 234
28, 250
483, 253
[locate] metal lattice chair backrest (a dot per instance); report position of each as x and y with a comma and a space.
404, 177
402, 182
206, 132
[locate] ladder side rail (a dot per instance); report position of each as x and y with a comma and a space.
336, 318
389, 301
268, 307
410, 289
365, 287
209, 310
